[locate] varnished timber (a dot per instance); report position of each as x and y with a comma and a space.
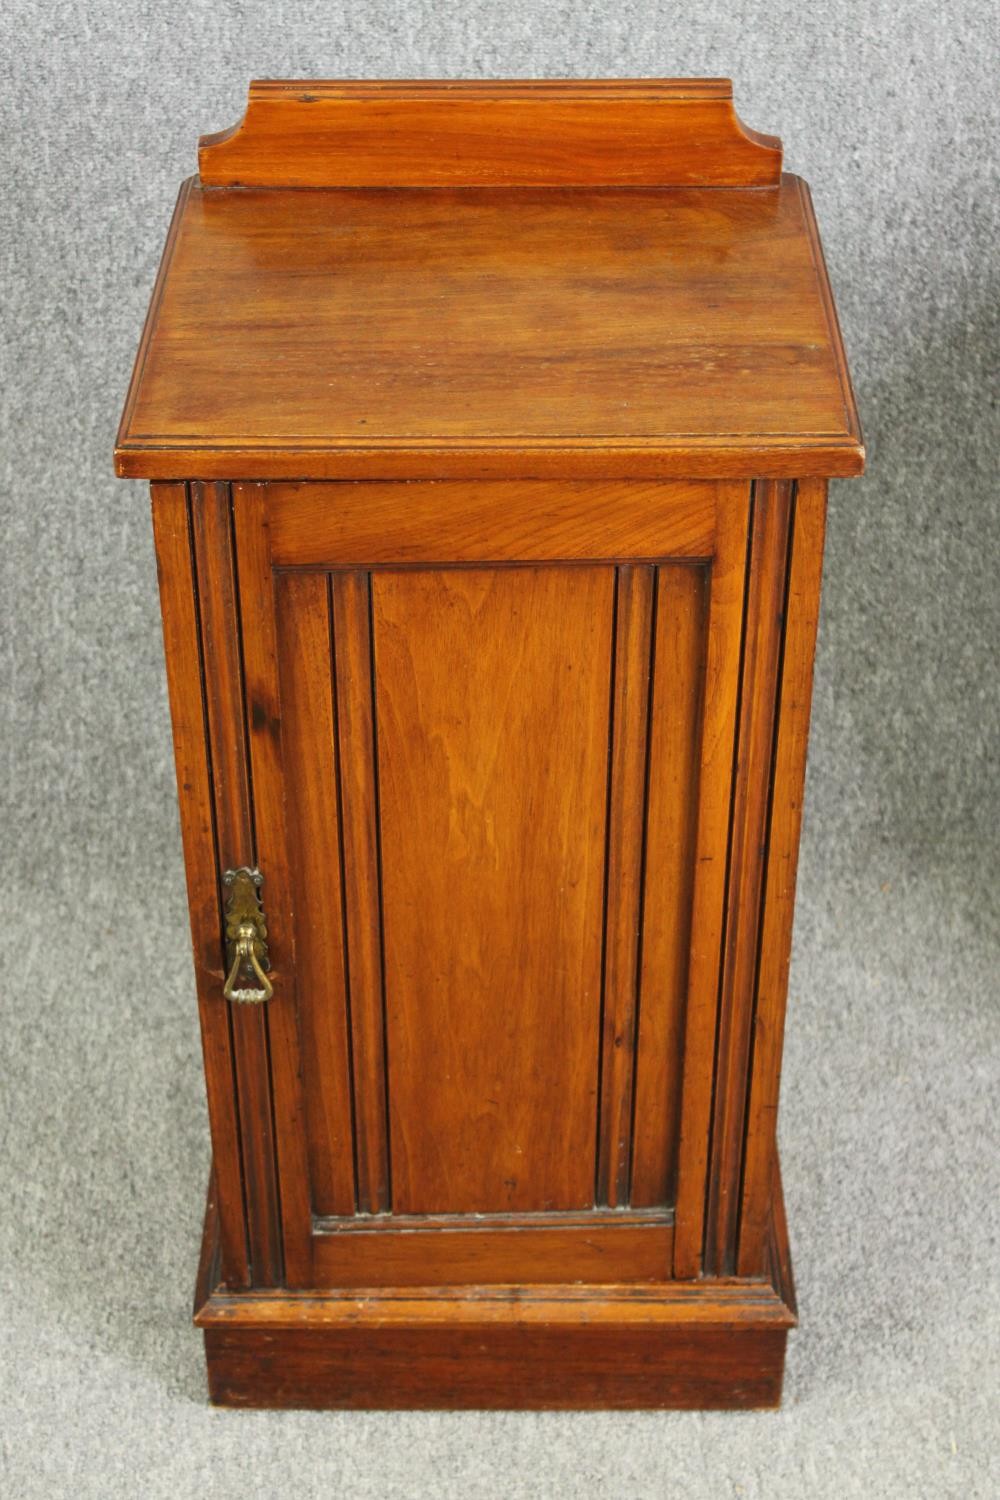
362, 917
485, 793
492, 695
260, 710
490, 426
718, 701
460, 1250
222, 669
654, 1345
563, 133
182, 647
678, 668
492, 521
801, 610
308, 711
765, 601
617, 334
634, 604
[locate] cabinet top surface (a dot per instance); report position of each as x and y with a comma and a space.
489, 329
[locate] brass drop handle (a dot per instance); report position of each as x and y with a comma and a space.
245, 957
246, 939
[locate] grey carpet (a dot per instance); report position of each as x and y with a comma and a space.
891, 1095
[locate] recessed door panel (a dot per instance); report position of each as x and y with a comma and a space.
492, 705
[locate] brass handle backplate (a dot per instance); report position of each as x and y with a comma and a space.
246, 939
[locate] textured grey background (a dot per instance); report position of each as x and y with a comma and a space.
891, 1090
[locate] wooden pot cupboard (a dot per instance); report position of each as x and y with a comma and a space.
489, 428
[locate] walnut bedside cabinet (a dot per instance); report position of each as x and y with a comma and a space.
489, 428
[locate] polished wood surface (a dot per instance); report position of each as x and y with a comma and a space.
236, 843
571, 1367
492, 702
660, 1345
183, 651
402, 333
765, 602
309, 718
460, 521
717, 696
668, 885
489, 522
626, 818
527, 1249
351, 670
562, 133
801, 619
252, 636
469, 778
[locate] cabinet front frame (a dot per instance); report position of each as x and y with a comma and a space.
217, 545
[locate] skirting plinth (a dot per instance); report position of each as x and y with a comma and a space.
653, 1345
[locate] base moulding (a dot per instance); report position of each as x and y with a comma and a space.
716, 1343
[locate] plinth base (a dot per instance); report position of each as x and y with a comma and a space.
699, 1344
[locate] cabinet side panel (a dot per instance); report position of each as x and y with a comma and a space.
679, 666
181, 641
309, 760
492, 697
722, 662
801, 618
755, 745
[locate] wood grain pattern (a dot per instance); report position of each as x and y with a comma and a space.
801, 619
364, 525
279, 1075
722, 660
472, 1254
853, 421
563, 133
492, 690
362, 884
678, 678
755, 742
725, 1301
634, 604
700, 1343
581, 1368
211, 530
382, 334
182, 649
236, 845
311, 776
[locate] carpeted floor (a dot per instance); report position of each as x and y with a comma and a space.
892, 1076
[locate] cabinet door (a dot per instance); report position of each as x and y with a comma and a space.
491, 749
